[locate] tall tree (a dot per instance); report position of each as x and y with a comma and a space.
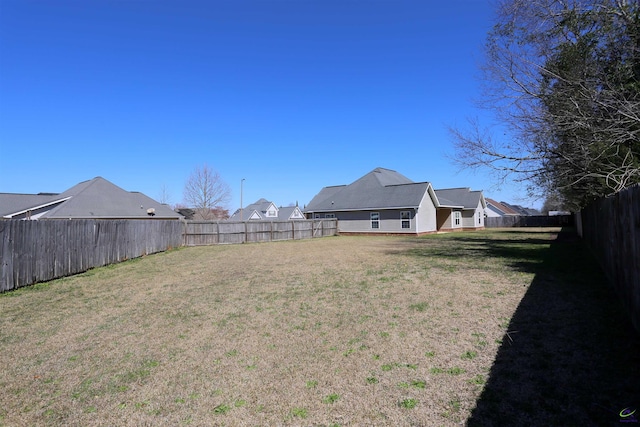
207, 192
563, 77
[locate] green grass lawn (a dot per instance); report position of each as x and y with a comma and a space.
499, 327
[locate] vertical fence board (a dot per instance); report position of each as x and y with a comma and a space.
6, 262
529, 221
611, 228
37, 251
198, 233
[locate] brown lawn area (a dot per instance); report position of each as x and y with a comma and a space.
499, 327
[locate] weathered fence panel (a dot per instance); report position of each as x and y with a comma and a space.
258, 231
282, 231
198, 233
611, 228
37, 251
529, 221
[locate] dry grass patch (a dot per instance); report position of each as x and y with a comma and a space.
332, 331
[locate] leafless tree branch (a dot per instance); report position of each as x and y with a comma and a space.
205, 190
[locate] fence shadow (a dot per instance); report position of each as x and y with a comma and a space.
570, 355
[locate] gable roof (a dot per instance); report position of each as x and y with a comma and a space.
500, 208
379, 189
521, 210
462, 197
257, 211
290, 212
253, 210
98, 198
261, 205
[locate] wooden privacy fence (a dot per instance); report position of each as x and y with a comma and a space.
37, 251
198, 233
611, 228
528, 221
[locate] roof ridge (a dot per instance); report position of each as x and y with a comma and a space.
407, 183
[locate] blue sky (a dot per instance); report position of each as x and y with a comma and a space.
290, 95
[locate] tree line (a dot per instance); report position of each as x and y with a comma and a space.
563, 79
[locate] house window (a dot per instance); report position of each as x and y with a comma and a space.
316, 216
330, 215
375, 219
405, 218
456, 218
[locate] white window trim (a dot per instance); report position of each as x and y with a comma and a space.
457, 218
402, 220
376, 220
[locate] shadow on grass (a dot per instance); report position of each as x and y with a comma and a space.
570, 356
523, 254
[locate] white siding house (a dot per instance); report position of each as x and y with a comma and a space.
386, 202
263, 209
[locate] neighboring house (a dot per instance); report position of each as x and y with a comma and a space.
522, 210
386, 202
96, 198
496, 209
467, 209
266, 210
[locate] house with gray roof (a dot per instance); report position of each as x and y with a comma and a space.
466, 209
96, 198
386, 202
496, 209
263, 209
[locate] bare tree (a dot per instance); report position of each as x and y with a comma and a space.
206, 192
164, 196
563, 78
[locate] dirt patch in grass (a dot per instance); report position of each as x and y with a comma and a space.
333, 331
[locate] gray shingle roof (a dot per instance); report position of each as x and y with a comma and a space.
11, 203
501, 208
285, 212
260, 206
99, 198
459, 197
379, 189
387, 189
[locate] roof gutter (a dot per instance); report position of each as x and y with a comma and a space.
451, 207
362, 209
